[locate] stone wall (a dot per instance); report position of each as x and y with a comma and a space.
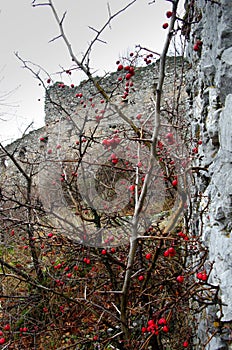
209, 85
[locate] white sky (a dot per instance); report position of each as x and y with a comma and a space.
27, 30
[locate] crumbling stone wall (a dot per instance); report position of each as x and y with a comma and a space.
209, 85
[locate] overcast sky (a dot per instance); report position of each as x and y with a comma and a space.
27, 30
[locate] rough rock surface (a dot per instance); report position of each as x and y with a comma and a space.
210, 98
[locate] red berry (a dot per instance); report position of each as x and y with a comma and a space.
48, 81
151, 323
104, 252
95, 338
139, 116
171, 251
50, 235
204, 277
115, 160
1, 333
113, 250
165, 329
148, 256
128, 76
141, 278
169, 14
162, 321
170, 138
185, 344
120, 67
165, 25
6, 327
2, 340
166, 253
180, 279
196, 47
132, 188
195, 150
132, 71
69, 275
144, 329
174, 183
199, 275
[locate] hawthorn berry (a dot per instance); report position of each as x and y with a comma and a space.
195, 150
128, 76
132, 188
148, 256
202, 276
120, 67
169, 14
185, 344
162, 321
6, 327
170, 138
174, 183
141, 278
180, 279
165, 25
165, 329
104, 252
50, 235
172, 251
2, 340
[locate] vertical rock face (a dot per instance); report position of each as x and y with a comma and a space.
209, 87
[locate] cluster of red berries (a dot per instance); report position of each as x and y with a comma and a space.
170, 252
130, 70
112, 142
154, 328
87, 261
104, 251
183, 235
147, 59
7, 329
202, 276
114, 158
80, 95
168, 15
129, 73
